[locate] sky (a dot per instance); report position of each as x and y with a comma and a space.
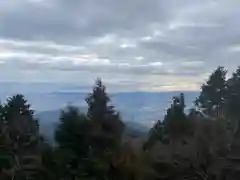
133, 45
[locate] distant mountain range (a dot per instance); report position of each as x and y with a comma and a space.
139, 110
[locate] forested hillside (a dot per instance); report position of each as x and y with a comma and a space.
96, 145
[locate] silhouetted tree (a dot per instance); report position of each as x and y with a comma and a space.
20, 131
72, 137
176, 123
73, 131
213, 94
16, 105
233, 105
107, 126
89, 146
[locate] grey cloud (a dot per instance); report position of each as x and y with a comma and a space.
180, 39
38, 62
72, 20
42, 47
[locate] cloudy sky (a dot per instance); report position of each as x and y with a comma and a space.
143, 45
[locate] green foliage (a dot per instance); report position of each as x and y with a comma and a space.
90, 146
87, 144
233, 102
20, 138
106, 125
18, 116
213, 94
176, 123
16, 105
72, 132
97, 102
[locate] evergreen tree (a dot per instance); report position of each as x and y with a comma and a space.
89, 144
72, 137
106, 129
234, 95
19, 117
72, 132
15, 106
106, 124
176, 123
20, 131
98, 103
213, 95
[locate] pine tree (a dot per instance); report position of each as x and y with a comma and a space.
176, 123
98, 102
107, 127
22, 137
213, 95
16, 105
88, 144
72, 132
72, 137
19, 117
233, 102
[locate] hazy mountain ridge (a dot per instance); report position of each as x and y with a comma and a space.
139, 110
